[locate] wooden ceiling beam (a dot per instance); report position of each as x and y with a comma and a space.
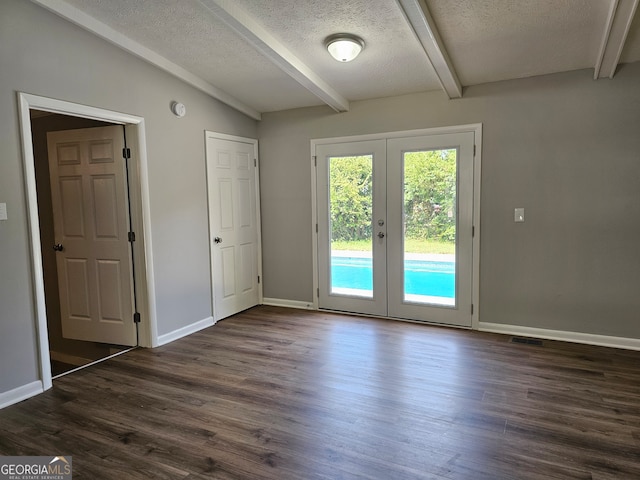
243, 24
424, 27
615, 35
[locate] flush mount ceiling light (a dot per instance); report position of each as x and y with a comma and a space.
344, 47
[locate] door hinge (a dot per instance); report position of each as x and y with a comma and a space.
132, 236
474, 150
315, 161
258, 278
126, 153
316, 228
318, 292
472, 309
255, 162
473, 231
136, 317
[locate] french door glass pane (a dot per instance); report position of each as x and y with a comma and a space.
351, 205
429, 197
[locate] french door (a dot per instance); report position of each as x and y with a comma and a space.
351, 199
395, 219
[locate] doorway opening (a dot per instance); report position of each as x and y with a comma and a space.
88, 279
67, 350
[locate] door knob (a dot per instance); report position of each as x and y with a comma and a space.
217, 240
380, 235
58, 247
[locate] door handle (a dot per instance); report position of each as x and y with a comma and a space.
217, 240
58, 247
380, 235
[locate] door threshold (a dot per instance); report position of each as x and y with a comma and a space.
100, 360
397, 319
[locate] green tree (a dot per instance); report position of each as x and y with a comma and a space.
430, 194
351, 187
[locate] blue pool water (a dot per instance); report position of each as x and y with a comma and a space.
422, 277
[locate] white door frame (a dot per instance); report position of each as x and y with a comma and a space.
476, 129
254, 142
135, 129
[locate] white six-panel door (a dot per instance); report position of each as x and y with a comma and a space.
233, 223
91, 226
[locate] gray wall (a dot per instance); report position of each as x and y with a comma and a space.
565, 147
45, 55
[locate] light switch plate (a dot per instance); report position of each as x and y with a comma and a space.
3, 211
518, 215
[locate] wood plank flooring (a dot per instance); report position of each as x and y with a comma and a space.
287, 394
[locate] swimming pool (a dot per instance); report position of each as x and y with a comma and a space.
422, 277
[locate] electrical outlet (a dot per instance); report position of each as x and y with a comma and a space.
518, 215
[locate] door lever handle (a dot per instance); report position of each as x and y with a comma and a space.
217, 240
380, 235
58, 247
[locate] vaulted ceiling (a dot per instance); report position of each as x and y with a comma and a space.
263, 56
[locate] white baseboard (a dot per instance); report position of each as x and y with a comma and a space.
575, 337
69, 359
279, 302
21, 393
184, 331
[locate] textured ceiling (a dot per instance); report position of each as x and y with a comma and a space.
392, 62
487, 41
189, 35
492, 40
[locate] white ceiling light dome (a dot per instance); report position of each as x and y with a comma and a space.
344, 47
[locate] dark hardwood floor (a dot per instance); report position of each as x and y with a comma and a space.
287, 394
